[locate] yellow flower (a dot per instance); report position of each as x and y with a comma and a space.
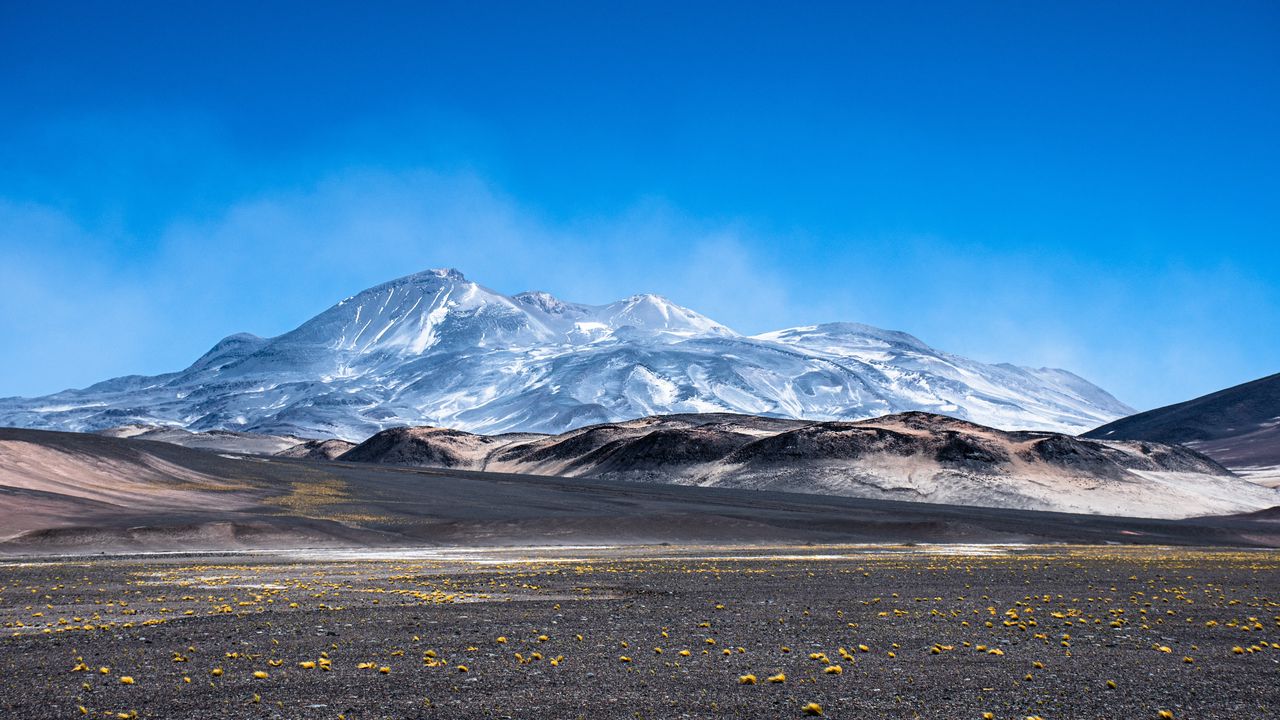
780, 677
216, 672
126, 680
833, 670
746, 679
384, 669
307, 664
261, 674
463, 668
812, 708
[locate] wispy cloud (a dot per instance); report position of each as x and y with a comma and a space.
79, 307
269, 262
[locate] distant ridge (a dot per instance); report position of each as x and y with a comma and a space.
434, 348
1239, 426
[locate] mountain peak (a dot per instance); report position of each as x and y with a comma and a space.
436, 348
651, 298
229, 349
651, 312
432, 277
544, 301
444, 273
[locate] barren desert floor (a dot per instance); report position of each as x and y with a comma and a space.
647, 632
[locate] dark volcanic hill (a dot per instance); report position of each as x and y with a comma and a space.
911, 456
317, 450
1239, 427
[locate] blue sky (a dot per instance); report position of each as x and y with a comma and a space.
1085, 185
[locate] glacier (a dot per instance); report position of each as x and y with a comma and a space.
435, 348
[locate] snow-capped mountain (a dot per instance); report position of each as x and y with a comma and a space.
434, 348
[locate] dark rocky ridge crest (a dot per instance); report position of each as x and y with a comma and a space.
422, 447
915, 455
666, 441
317, 450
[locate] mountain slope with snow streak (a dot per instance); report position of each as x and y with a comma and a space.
434, 348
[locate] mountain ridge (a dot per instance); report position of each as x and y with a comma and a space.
433, 348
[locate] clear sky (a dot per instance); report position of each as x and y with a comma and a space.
1093, 186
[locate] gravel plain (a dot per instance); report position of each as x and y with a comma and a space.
647, 632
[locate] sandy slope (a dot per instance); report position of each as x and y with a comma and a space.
219, 440
52, 486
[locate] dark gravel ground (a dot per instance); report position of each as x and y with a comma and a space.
1085, 614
